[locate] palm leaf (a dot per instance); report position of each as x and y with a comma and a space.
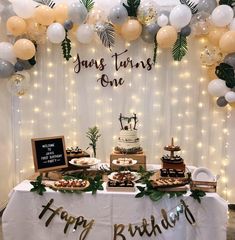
191, 5
226, 72
180, 48
89, 4
230, 3
66, 47
131, 7
155, 51
106, 34
48, 3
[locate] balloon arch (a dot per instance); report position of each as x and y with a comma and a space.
32, 22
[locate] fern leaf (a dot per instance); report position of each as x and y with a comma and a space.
226, 72
66, 47
180, 48
191, 5
48, 3
155, 51
89, 4
106, 34
230, 3
131, 7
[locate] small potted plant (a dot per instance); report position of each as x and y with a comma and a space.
93, 135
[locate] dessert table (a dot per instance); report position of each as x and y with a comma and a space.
109, 215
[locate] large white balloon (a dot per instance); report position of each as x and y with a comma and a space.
56, 33
85, 33
222, 15
230, 96
180, 16
24, 9
7, 53
232, 25
218, 88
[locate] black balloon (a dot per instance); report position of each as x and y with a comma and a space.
19, 67
221, 101
186, 31
230, 59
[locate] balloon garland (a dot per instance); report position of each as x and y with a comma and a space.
32, 21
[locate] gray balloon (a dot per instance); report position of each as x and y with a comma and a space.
206, 6
149, 32
118, 14
221, 101
25, 63
230, 59
19, 67
6, 69
68, 25
77, 12
186, 31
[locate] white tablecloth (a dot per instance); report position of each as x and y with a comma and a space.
21, 217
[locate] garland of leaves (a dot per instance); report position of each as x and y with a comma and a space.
180, 47
191, 5
38, 186
226, 72
197, 195
66, 47
131, 7
89, 4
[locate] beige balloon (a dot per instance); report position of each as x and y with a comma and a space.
96, 15
16, 25
24, 49
166, 37
131, 30
227, 42
215, 34
44, 15
61, 12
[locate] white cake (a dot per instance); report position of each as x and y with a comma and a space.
128, 142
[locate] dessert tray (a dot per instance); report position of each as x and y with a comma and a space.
124, 162
124, 176
84, 162
72, 184
114, 186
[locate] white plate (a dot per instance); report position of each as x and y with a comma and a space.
84, 162
124, 162
136, 175
203, 174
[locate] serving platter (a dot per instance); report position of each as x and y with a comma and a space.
203, 174
84, 162
124, 162
134, 176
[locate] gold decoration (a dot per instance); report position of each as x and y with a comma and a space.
211, 55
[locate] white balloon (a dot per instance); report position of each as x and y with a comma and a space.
218, 88
85, 33
180, 16
232, 25
7, 53
230, 96
162, 20
24, 9
222, 15
56, 33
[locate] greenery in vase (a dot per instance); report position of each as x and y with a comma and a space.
93, 135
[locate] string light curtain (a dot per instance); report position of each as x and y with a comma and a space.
171, 100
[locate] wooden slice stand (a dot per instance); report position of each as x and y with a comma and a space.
203, 186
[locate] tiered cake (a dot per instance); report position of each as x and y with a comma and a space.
128, 141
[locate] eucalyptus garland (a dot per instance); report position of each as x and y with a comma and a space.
66, 47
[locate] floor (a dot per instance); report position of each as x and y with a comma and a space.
230, 229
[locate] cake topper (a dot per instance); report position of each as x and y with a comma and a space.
129, 122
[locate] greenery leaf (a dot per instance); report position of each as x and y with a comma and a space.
226, 72
106, 34
191, 5
131, 7
38, 186
197, 195
93, 135
156, 195
139, 195
48, 3
230, 3
66, 47
155, 50
89, 4
180, 48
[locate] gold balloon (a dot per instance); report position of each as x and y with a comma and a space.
210, 55
227, 42
96, 15
19, 83
36, 31
215, 34
16, 25
166, 37
24, 49
147, 12
131, 30
61, 13
44, 15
